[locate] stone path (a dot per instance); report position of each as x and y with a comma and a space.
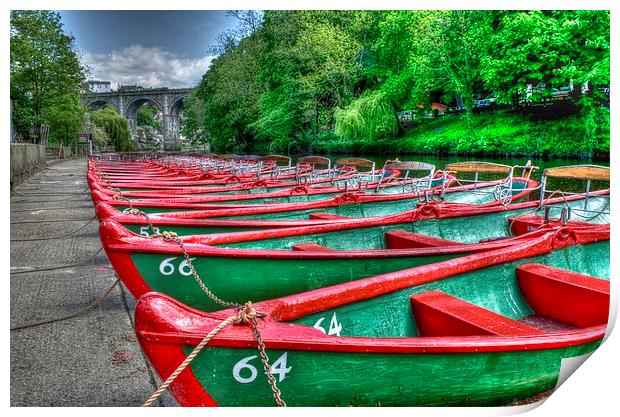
90, 360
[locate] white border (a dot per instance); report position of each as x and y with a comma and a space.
591, 391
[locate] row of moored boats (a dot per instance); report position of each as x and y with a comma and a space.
396, 285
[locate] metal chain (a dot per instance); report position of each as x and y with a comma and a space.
251, 317
265, 359
172, 237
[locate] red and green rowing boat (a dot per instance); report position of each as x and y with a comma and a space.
487, 329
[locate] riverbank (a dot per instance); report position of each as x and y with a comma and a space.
497, 134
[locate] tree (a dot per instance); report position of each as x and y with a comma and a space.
115, 126
309, 66
99, 135
554, 48
64, 115
192, 121
145, 116
45, 73
230, 95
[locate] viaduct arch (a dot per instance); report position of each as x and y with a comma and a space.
127, 102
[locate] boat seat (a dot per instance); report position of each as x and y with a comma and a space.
327, 216
439, 314
401, 239
311, 247
566, 296
524, 224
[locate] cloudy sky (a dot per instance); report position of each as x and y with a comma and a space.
148, 48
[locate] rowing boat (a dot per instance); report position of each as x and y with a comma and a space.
277, 262
487, 329
272, 177
400, 193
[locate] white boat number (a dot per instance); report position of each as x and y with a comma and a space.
144, 230
334, 327
278, 368
166, 267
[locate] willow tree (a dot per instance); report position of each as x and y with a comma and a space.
369, 117
115, 126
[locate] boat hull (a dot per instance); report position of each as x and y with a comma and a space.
366, 361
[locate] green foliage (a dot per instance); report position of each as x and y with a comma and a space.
145, 116
192, 117
115, 126
45, 75
99, 135
497, 134
64, 115
369, 117
293, 80
552, 47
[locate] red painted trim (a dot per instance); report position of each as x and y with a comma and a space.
327, 216
567, 296
401, 239
439, 314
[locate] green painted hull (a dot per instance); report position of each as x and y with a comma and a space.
483, 379
243, 279
359, 210
479, 378
466, 229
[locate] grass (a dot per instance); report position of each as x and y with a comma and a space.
489, 134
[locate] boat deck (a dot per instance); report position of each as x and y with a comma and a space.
89, 360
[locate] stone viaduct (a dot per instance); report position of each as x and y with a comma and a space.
127, 101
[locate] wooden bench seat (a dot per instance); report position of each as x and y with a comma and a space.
326, 216
439, 314
401, 239
573, 298
311, 247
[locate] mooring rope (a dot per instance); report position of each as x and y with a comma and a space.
57, 236
94, 303
55, 267
81, 219
246, 314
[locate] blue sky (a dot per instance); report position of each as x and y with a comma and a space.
150, 48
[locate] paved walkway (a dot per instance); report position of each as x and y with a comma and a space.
90, 360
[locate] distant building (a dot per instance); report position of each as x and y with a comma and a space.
94, 86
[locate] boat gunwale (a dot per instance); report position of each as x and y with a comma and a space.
279, 334
118, 238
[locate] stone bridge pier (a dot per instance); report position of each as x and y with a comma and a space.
127, 101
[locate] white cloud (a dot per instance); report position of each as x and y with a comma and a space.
146, 66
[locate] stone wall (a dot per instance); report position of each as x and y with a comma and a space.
26, 159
